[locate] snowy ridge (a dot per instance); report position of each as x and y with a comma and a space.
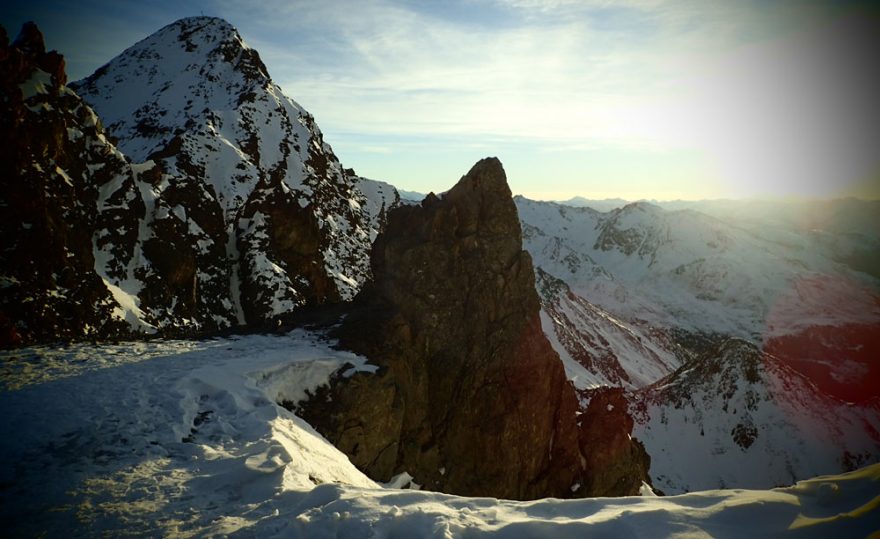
186, 438
645, 298
380, 198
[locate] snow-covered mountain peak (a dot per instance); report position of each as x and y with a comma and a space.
635, 228
194, 86
639, 206
246, 213
212, 40
727, 364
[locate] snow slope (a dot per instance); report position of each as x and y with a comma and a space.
184, 438
682, 268
596, 347
832, 506
168, 435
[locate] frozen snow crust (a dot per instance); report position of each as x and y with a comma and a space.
184, 438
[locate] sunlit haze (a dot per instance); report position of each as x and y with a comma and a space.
645, 99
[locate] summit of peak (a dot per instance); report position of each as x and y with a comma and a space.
203, 20
30, 39
486, 176
642, 206
180, 78
199, 26
202, 33
208, 47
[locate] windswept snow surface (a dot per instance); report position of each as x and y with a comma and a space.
184, 438
164, 436
831, 506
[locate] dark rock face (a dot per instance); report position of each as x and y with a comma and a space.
615, 462
54, 162
470, 397
273, 223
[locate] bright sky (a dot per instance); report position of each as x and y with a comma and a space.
656, 99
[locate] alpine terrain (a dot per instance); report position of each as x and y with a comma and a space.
210, 327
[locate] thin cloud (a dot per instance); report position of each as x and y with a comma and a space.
416, 76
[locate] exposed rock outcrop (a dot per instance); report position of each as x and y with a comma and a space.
54, 160
615, 462
470, 397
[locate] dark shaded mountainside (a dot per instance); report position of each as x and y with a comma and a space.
470, 398
237, 214
53, 159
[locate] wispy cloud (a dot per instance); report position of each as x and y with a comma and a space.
403, 71
730, 80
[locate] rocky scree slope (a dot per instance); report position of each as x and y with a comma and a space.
470, 398
239, 214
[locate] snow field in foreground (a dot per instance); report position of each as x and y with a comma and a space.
184, 438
